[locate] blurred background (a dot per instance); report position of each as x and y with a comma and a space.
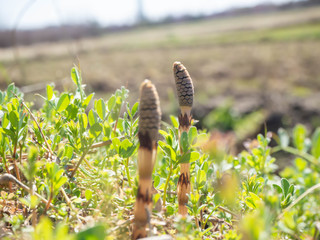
252, 62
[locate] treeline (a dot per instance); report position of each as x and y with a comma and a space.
9, 38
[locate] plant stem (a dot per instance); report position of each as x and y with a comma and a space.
68, 201
5, 164
105, 143
20, 155
128, 173
228, 211
49, 201
16, 169
166, 186
36, 122
294, 151
79, 162
8, 178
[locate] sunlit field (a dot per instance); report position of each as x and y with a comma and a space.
222, 143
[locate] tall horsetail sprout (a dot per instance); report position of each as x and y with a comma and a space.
185, 93
149, 125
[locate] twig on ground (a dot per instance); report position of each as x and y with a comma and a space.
7, 178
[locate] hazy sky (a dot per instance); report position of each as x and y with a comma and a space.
54, 12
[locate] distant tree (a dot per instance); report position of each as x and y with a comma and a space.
310, 2
314, 2
140, 13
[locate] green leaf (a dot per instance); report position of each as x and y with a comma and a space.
111, 102
5, 120
125, 144
14, 119
95, 130
34, 201
168, 150
156, 181
126, 148
88, 194
315, 149
284, 137
43, 229
174, 121
163, 133
72, 111
192, 135
252, 201
63, 102
68, 151
285, 186
75, 76
169, 210
92, 117
277, 187
94, 233
25, 201
116, 144
59, 181
291, 189
134, 109
202, 178
287, 201
31, 166
86, 102
9, 133
301, 164
49, 92
83, 120
10, 90
100, 107
299, 136
184, 143
15, 103
189, 157
106, 130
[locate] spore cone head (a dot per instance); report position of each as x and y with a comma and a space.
149, 114
184, 85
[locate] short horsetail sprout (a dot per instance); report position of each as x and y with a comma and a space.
184, 87
185, 92
149, 125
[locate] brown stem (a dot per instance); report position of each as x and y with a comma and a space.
149, 124
115, 126
34, 217
101, 144
16, 169
79, 162
20, 155
142, 208
183, 186
49, 202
